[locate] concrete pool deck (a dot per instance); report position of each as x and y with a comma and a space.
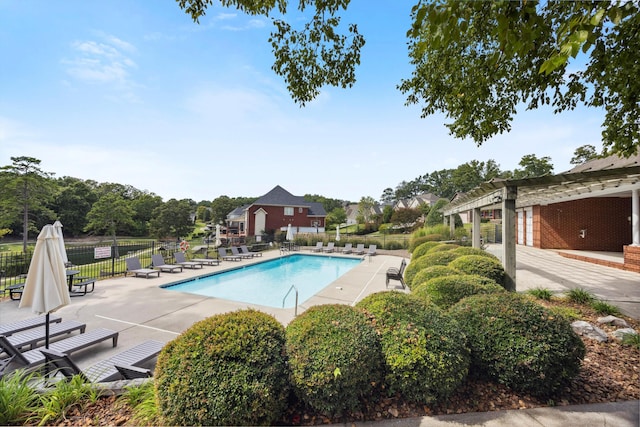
139, 309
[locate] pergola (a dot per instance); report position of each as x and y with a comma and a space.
575, 184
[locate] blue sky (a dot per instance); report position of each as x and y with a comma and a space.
134, 92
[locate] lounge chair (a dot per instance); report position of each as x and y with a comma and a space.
181, 260
330, 247
372, 250
394, 273
32, 337
128, 361
236, 252
246, 250
9, 329
32, 358
134, 267
318, 247
207, 261
158, 262
348, 248
15, 291
359, 250
226, 257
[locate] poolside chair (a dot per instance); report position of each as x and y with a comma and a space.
134, 267
329, 248
181, 260
122, 365
33, 358
226, 257
348, 248
9, 329
372, 250
394, 273
318, 247
158, 262
206, 261
359, 250
236, 252
31, 337
246, 250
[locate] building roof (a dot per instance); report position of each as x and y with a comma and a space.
278, 196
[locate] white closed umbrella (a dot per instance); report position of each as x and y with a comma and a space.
289, 235
45, 289
218, 241
63, 250
338, 233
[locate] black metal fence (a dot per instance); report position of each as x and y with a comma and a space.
91, 260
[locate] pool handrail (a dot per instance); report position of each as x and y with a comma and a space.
295, 312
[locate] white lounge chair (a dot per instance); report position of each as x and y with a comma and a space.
330, 247
318, 247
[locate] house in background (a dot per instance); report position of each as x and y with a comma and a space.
275, 211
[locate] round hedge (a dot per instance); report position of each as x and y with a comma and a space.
468, 250
228, 369
424, 350
436, 258
480, 265
447, 290
431, 273
335, 358
519, 343
423, 248
443, 247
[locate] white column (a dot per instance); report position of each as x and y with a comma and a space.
635, 217
475, 233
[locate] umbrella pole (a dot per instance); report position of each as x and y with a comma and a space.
46, 331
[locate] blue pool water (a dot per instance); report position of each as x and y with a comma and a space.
267, 283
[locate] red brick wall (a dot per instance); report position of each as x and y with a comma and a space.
605, 220
276, 219
632, 258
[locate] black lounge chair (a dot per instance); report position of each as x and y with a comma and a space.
134, 267
122, 365
158, 262
32, 358
246, 250
181, 260
9, 329
236, 252
226, 257
15, 291
396, 273
31, 337
206, 261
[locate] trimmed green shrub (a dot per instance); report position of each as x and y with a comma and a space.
424, 350
468, 250
417, 240
443, 247
519, 343
423, 248
334, 357
436, 258
228, 369
448, 290
481, 265
431, 273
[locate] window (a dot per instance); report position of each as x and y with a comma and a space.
288, 211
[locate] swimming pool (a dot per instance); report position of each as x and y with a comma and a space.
266, 283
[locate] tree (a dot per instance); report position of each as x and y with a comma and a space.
388, 196
172, 219
533, 166
435, 215
405, 217
336, 216
583, 154
24, 187
143, 206
366, 209
471, 174
109, 214
72, 203
476, 61
387, 213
